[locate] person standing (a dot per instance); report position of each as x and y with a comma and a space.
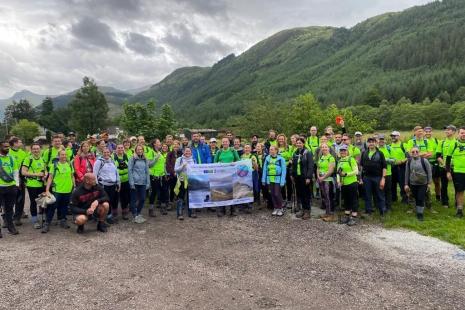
274, 175
9, 182
432, 146
347, 171
83, 162
441, 154
398, 153
302, 174
326, 165
34, 171
18, 154
159, 181
181, 166
123, 197
139, 182
200, 151
170, 172
417, 178
74, 144
386, 150
313, 141
374, 167
255, 180
61, 183
456, 159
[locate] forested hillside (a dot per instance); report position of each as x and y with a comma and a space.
417, 54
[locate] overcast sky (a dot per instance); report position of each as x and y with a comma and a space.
47, 46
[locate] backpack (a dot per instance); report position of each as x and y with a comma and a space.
423, 165
276, 163
6, 177
122, 163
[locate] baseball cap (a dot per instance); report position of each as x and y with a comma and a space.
395, 133
343, 147
358, 133
372, 139
381, 136
212, 140
452, 127
428, 128
133, 138
71, 133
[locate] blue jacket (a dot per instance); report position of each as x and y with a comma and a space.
202, 152
139, 172
280, 171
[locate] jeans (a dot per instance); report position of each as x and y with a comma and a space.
398, 178
373, 192
61, 205
137, 199
387, 192
7, 200
34, 192
113, 198
19, 204
256, 186
123, 198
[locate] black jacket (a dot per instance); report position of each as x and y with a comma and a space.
306, 163
82, 198
373, 167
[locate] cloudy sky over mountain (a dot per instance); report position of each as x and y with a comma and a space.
47, 46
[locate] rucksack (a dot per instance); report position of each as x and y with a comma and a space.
276, 163
423, 165
122, 163
6, 177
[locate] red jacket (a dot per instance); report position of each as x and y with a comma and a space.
81, 166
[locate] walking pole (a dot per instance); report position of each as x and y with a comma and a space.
338, 205
294, 198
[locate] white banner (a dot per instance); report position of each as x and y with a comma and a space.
216, 185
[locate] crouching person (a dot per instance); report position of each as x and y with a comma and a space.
89, 200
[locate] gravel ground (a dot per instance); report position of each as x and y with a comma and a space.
248, 262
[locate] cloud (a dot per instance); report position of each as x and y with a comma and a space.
207, 7
142, 44
90, 32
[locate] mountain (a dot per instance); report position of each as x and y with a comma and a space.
137, 90
33, 98
416, 53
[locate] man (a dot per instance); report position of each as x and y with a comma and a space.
74, 145
200, 151
50, 155
213, 147
184, 144
18, 154
271, 140
456, 159
89, 200
386, 150
353, 150
254, 142
362, 146
313, 141
398, 153
230, 137
9, 182
419, 141
169, 141
110, 145
432, 146
441, 153
374, 177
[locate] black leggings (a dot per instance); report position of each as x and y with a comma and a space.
34, 192
159, 189
350, 196
303, 192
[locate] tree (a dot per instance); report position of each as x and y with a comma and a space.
373, 98
19, 110
460, 94
89, 109
444, 97
166, 122
26, 130
139, 119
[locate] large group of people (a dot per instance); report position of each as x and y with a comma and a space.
103, 181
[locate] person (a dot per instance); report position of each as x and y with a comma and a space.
456, 159
432, 146
302, 173
170, 172
184, 143
139, 182
417, 178
230, 137
93, 143
100, 147
259, 152
133, 140
89, 200
83, 162
200, 151
238, 146
18, 154
398, 153
61, 183
226, 154
274, 176
127, 148
326, 165
386, 150
108, 144
121, 160
362, 146
313, 141
50, 155
9, 182
213, 147
255, 180
34, 171
271, 140
285, 152
169, 141
347, 171
148, 151
181, 166
74, 144
373, 165
353, 150
253, 143
441, 154
108, 178
159, 181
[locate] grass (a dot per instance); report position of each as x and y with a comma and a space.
443, 225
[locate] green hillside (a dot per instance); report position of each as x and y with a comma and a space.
417, 53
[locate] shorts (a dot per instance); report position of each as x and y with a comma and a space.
459, 181
436, 172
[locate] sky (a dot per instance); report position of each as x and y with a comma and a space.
48, 46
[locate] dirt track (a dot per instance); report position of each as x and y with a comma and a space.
249, 262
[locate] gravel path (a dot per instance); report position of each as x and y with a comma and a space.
249, 262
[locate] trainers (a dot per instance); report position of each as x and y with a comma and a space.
102, 227
181, 218
37, 225
80, 229
352, 221
459, 213
279, 212
141, 219
45, 228
299, 214
110, 220
275, 212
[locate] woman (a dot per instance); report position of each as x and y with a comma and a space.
325, 169
127, 148
158, 179
347, 171
259, 151
418, 176
213, 147
274, 175
255, 180
33, 169
139, 182
123, 197
302, 173
171, 173
101, 145
83, 162
286, 152
181, 166
61, 182
226, 155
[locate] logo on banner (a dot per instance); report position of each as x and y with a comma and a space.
242, 171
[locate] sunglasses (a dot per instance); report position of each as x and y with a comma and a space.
415, 152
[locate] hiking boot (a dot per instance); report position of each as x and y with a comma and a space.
64, 224
233, 211
352, 221
219, 212
37, 225
1, 236
45, 228
420, 217
102, 227
306, 215
18, 222
299, 214
275, 212
80, 229
125, 217
345, 219
163, 209
459, 213
193, 214
152, 213
12, 229
110, 220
